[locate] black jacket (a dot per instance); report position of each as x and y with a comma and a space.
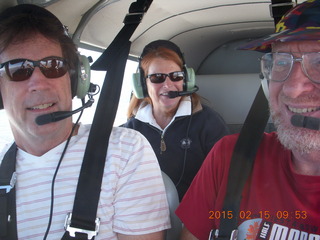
185, 143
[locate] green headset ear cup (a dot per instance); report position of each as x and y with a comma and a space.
83, 77
137, 87
190, 80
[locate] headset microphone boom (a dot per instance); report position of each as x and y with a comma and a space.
60, 115
174, 94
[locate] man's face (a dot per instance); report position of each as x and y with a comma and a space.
38, 95
296, 95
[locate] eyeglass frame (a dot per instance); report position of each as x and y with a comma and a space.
293, 60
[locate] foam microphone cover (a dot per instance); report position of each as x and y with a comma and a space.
44, 119
306, 122
173, 94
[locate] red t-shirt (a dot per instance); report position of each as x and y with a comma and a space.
276, 202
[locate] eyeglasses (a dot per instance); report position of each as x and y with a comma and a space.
277, 66
21, 69
161, 77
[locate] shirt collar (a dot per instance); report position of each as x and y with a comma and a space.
144, 113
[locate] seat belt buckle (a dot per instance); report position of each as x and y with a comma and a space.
73, 230
136, 11
133, 18
13, 181
214, 234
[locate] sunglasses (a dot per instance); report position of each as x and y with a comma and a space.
161, 77
21, 69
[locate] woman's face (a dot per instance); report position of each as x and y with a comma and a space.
158, 92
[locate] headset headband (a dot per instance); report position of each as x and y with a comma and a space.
162, 43
30, 10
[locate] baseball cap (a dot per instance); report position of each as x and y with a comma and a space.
300, 23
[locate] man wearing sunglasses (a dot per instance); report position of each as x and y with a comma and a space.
38, 68
181, 129
281, 197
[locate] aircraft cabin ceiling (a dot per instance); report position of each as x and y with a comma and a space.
197, 26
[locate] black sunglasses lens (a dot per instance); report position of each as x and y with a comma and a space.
19, 69
176, 76
157, 77
53, 68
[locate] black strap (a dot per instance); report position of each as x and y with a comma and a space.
279, 7
131, 21
246, 147
8, 220
242, 161
113, 60
89, 184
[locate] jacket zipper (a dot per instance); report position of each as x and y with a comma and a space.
163, 146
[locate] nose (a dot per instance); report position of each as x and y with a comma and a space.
37, 81
297, 83
167, 82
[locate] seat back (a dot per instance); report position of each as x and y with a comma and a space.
173, 200
231, 95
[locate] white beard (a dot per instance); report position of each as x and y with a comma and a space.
297, 139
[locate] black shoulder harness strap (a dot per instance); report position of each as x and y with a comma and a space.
242, 162
83, 222
8, 221
246, 148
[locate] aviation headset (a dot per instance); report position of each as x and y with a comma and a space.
80, 76
139, 84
